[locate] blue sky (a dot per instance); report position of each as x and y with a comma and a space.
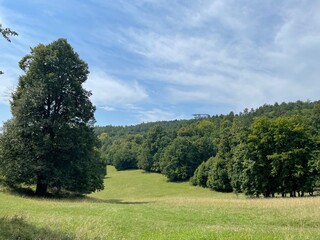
154, 60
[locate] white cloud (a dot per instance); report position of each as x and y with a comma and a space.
107, 108
157, 114
227, 52
295, 53
110, 93
230, 52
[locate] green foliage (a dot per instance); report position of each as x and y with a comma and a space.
125, 156
267, 151
152, 149
216, 172
52, 125
218, 178
192, 146
278, 160
200, 176
180, 159
6, 33
236, 167
15, 156
124, 153
257, 166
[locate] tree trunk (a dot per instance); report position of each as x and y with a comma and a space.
42, 186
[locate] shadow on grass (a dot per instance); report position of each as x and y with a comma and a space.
112, 201
17, 228
67, 196
30, 193
146, 172
20, 192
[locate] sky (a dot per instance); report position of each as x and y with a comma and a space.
156, 60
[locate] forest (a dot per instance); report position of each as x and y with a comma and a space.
269, 151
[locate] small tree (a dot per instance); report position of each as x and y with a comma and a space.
180, 159
200, 176
153, 147
125, 156
218, 178
50, 140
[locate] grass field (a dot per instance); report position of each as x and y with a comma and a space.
137, 205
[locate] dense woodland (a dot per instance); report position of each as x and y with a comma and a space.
269, 151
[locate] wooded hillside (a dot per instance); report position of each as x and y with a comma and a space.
272, 150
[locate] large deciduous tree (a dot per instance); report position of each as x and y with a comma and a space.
50, 140
279, 152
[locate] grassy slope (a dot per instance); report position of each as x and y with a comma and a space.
138, 205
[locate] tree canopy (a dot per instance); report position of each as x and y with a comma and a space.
50, 140
272, 150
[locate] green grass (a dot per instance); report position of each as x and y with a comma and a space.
137, 205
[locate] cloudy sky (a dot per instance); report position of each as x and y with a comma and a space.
156, 60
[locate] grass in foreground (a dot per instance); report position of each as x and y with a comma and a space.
137, 205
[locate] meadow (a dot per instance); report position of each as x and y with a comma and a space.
138, 205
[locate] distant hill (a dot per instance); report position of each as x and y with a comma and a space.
224, 152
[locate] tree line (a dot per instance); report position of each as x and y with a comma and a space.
269, 151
